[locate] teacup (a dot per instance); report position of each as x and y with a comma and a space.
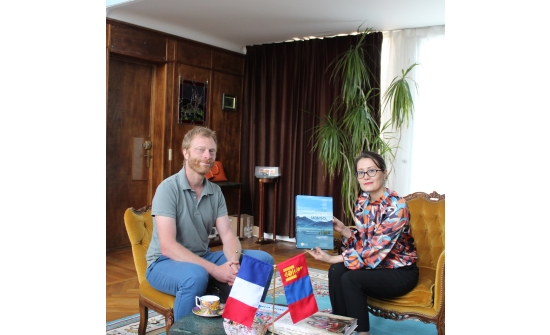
209, 304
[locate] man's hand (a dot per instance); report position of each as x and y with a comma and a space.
227, 272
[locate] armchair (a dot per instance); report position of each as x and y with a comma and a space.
139, 226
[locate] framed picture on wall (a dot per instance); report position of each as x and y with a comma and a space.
229, 102
192, 105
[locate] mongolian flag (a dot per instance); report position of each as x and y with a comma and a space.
247, 290
298, 289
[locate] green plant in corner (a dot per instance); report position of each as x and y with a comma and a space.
399, 97
339, 140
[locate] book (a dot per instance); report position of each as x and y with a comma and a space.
262, 320
314, 222
265, 311
319, 323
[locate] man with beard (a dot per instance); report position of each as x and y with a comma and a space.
185, 208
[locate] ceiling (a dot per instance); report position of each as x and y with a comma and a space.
235, 24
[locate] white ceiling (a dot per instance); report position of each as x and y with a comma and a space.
234, 24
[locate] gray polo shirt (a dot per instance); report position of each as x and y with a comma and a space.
174, 198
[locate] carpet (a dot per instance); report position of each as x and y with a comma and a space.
129, 325
378, 325
319, 281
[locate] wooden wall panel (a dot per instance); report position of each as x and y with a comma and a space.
159, 150
227, 124
180, 129
228, 62
128, 116
137, 43
168, 56
171, 97
194, 54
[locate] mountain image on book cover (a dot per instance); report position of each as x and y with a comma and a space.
314, 222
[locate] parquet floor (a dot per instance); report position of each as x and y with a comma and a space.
123, 287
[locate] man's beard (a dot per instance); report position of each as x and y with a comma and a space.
195, 165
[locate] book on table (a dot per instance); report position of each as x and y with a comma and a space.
314, 222
262, 318
319, 323
265, 311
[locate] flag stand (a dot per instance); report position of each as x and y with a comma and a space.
273, 301
273, 319
272, 324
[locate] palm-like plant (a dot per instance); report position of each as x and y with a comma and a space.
339, 141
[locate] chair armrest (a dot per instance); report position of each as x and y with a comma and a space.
439, 286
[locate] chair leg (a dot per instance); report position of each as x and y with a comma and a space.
169, 319
143, 318
440, 322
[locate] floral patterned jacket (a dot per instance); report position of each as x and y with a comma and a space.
383, 235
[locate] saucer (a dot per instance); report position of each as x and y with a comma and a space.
197, 311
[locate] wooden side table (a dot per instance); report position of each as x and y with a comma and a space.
261, 239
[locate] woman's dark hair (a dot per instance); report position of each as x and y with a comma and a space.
376, 158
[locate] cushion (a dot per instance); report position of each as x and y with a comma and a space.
420, 296
217, 172
156, 297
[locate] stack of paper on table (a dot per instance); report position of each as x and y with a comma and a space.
319, 323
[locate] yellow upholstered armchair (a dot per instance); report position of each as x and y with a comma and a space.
139, 226
426, 302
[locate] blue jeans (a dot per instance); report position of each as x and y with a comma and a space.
188, 280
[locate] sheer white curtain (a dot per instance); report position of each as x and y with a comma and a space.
417, 166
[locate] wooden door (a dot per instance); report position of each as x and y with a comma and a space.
129, 122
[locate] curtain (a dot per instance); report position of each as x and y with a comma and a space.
417, 166
287, 91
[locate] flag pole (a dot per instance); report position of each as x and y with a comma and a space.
273, 300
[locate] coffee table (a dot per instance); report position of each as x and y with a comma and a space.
198, 325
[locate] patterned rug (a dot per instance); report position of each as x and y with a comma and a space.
129, 325
156, 325
378, 325
319, 281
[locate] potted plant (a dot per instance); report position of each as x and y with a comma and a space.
340, 139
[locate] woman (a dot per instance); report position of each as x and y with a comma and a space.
379, 260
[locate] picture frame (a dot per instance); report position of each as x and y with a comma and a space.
229, 102
192, 102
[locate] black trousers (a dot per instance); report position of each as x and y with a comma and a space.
348, 289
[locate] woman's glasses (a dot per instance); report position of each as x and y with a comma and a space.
369, 172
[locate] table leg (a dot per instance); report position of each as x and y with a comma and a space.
275, 216
239, 216
261, 218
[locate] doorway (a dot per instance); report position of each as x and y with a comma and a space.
129, 122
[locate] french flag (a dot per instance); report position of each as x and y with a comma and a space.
247, 291
298, 289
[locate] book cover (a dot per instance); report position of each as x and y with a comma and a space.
319, 323
265, 311
314, 222
262, 319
